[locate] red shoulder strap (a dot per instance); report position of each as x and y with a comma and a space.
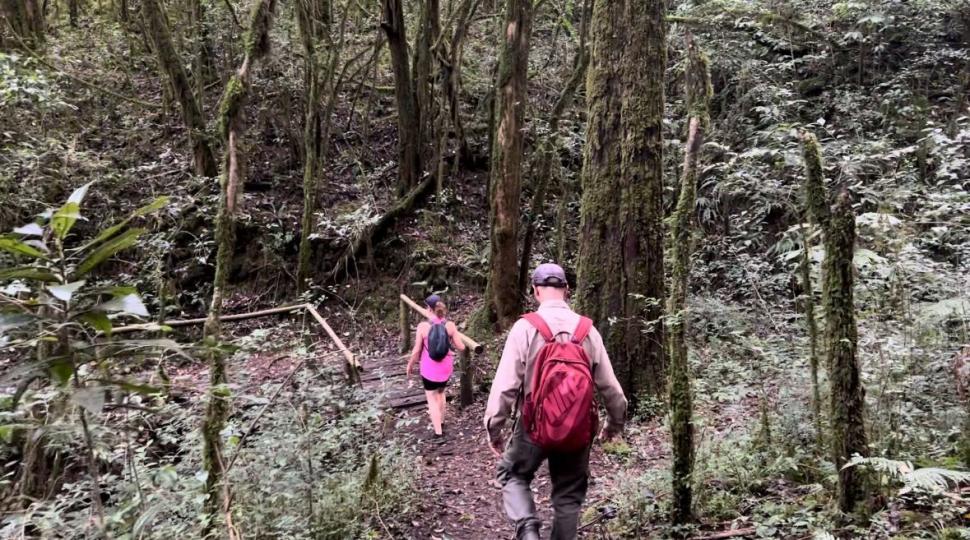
539, 323
582, 330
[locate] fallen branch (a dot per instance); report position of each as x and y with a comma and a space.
734, 533
367, 237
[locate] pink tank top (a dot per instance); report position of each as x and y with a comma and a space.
433, 370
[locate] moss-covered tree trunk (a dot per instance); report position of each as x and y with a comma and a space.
408, 119
429, 29
25, 19
231, 126
847, 394
503, 297
156, 26
621, 232
808, 307
312, 21
73, 11
452, 75
698, 82
202, 66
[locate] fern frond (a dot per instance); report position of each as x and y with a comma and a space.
931, 479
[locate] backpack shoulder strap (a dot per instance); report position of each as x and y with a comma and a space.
539, 323
582, 330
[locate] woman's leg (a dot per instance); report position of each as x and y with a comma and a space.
442, 404
434, 410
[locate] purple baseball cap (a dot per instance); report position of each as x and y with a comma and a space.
432, 300
549, 275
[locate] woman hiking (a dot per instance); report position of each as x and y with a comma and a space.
433, 342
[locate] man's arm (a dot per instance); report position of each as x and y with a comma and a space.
610, 391
508, 380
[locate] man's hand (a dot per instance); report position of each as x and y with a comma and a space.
609, 433
497, 444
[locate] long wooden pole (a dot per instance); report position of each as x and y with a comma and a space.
353, 368
469, 342
191, 322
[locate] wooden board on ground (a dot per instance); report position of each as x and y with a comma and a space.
386, 375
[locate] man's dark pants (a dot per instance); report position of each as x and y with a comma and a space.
570, 478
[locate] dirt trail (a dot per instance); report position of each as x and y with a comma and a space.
457, 492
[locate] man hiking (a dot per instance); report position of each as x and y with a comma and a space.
552, 362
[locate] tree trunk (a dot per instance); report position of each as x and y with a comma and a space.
408, 119
808, 306
503, 297
202, 49
547, 154
698, 82
847, 395
309, 13
25, 18
429, 28
157, 28
621, 248
72, 11
231, 125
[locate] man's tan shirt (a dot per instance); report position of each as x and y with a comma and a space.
521, 349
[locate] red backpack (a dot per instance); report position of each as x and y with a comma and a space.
560, 412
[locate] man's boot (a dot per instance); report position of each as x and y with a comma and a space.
528, 530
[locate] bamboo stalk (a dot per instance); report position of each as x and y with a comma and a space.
469, 342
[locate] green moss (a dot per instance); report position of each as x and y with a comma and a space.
230, 104
847, 393
257, 36
815, 197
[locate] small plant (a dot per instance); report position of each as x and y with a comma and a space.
57, 321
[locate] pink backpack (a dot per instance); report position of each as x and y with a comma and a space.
560, 412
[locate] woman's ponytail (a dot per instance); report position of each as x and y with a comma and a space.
440, 310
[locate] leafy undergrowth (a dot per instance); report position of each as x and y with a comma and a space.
759, 466
315, 465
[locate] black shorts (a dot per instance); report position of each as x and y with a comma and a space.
433, 385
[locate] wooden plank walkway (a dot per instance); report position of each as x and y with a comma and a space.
386, 375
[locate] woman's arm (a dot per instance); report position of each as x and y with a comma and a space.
453, 334
416, 350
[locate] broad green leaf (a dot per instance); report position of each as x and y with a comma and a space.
129, 303
30, 229
78, 195
27, 272
98, 256
66, 291
114, 229
12, 245
62, 371
157, 204
64, 219
91, 398
99, 321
